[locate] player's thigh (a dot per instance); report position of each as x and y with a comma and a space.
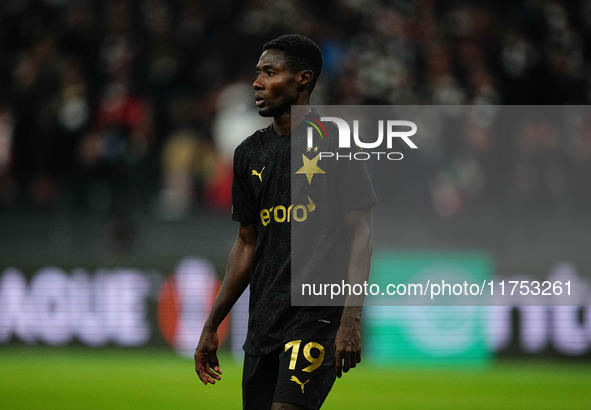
259, 378
306, 373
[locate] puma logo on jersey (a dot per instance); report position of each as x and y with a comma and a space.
282, 214
258, 174
295, 379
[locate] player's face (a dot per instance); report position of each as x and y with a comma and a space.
276, 88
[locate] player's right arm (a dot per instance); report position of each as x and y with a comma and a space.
235, 282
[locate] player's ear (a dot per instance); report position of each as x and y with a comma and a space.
304, 78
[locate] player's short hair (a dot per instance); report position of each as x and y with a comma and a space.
301, 54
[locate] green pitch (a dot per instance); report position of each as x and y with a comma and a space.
42, 378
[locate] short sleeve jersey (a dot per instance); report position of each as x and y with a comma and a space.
262, 195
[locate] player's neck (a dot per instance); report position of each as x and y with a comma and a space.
282, 124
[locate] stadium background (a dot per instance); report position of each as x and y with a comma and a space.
117, 125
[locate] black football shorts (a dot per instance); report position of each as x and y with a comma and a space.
300, 372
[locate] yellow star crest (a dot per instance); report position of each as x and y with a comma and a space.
310, 168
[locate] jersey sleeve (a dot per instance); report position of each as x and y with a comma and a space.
243, 204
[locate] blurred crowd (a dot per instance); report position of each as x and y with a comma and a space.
129, 105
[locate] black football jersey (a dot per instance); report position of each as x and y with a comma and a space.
278, 192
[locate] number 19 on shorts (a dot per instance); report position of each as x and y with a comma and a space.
315, 361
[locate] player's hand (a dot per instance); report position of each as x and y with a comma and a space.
207, 365
347, 346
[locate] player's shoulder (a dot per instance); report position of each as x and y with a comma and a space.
254, 141
329, 127
319, 115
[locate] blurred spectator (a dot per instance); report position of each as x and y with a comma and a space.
7, 184
188, 162
137, 105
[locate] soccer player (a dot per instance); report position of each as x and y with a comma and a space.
292, 353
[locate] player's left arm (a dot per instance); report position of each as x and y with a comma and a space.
348, 338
